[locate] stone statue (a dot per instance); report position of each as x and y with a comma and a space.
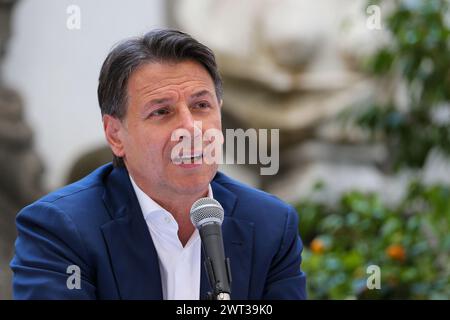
20, 167
294, 65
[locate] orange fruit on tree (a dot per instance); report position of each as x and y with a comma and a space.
317, 246
396, 252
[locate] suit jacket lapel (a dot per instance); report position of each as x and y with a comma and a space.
133, 255
238, 244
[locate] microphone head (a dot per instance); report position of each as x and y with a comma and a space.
206, 210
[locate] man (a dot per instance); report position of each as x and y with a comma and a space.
125, 230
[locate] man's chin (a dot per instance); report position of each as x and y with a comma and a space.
194, 181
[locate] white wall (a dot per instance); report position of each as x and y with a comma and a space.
56, 70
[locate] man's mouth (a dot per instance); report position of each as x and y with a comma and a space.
189, 158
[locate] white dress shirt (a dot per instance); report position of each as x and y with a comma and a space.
179, 266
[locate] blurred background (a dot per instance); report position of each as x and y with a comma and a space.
359, 89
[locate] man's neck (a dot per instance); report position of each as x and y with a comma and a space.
180, 210
178, 205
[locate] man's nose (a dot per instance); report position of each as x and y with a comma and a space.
188, 123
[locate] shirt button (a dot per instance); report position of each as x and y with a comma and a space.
167, 219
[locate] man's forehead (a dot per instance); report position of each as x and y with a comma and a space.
155, 75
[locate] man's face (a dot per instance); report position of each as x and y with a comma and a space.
164, 98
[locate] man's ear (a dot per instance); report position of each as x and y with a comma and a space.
113, 128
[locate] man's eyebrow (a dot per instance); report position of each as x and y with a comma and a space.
159, 100
166, 99
200, 93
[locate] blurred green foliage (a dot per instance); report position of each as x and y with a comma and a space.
418, 56
410, 243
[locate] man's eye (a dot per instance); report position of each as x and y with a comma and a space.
159, 112
202, 105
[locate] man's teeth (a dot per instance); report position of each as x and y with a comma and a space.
189, 157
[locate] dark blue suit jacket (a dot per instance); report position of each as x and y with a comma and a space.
97, 225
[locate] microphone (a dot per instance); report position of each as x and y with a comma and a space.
207, 216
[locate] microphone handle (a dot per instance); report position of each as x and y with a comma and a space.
217, 267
